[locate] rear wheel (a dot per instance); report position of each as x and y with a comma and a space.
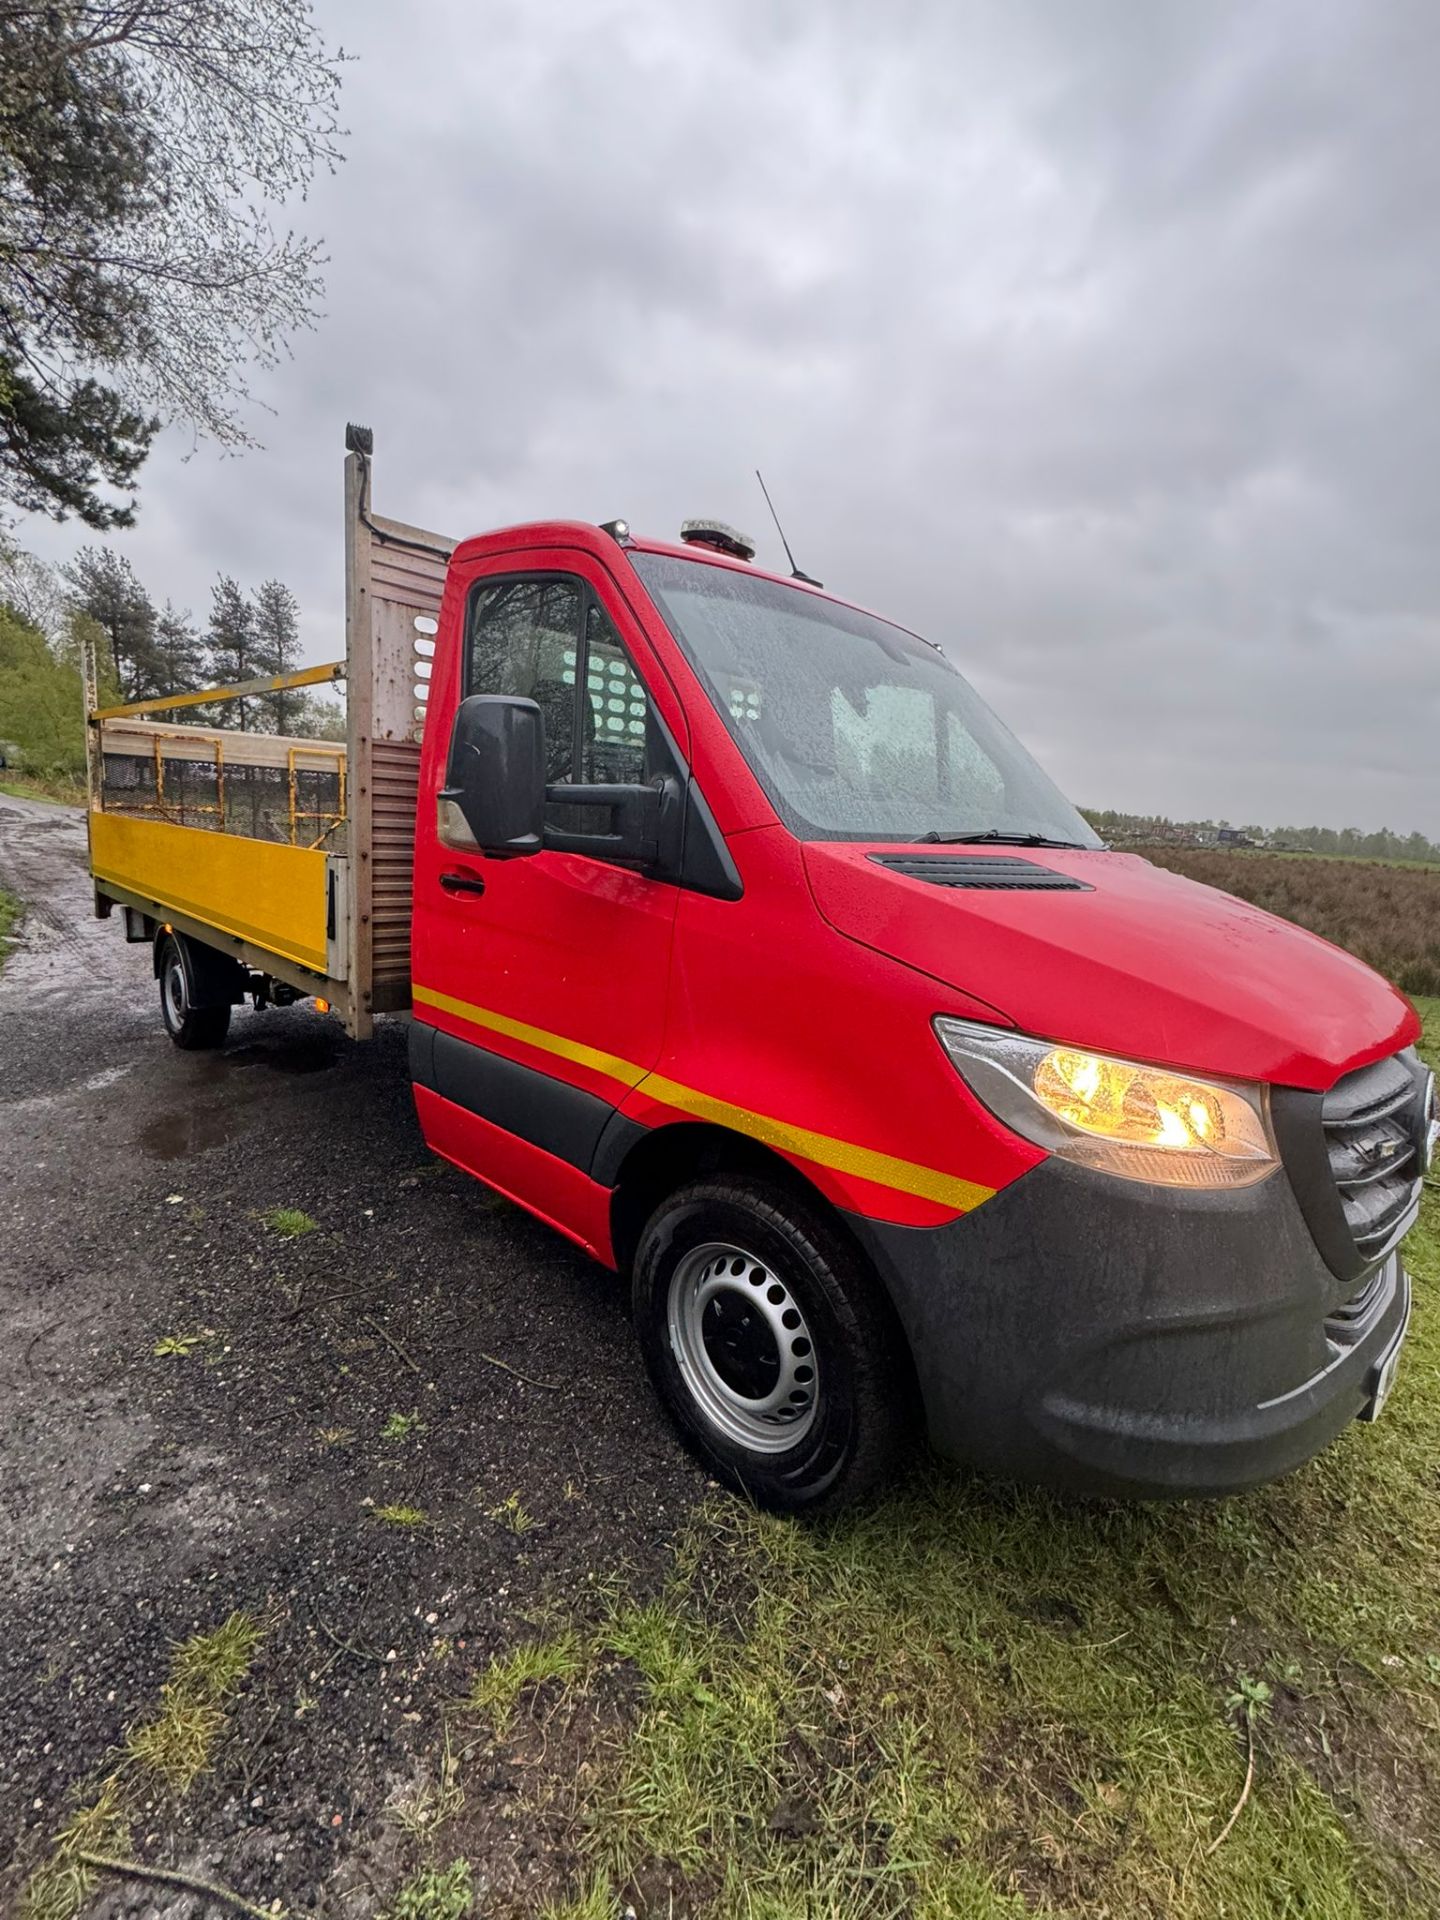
188, 1026
771, 1344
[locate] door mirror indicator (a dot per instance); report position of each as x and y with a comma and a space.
493, 800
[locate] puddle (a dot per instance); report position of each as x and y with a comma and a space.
180, 1136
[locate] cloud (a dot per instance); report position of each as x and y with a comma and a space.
1097, 343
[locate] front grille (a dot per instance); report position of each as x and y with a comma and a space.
1375, 1122
984, 870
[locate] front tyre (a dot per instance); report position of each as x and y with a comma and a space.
771, 1344
188, 1026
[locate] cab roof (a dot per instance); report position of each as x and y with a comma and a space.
595, 540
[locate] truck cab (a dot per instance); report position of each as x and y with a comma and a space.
745, 946
757, 956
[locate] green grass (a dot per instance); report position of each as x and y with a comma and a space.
67, 793
399, 1515
496, 1693
175, 1744
1306, 853
435, 1893
400, 1426
289, 1222
511, 1514
596, 1901
177, 1346
60, 1888
979, 1701
10, 910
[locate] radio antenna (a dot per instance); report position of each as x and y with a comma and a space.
795, 573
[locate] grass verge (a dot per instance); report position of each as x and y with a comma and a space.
10, 911
980, 1702
64, 793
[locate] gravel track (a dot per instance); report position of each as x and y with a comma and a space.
142, 1498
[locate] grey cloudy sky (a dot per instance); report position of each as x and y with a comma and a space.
1097, 339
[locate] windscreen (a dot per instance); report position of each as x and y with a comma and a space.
856, 729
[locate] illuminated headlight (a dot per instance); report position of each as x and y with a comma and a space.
1118, 1116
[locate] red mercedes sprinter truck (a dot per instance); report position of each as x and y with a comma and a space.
744, 945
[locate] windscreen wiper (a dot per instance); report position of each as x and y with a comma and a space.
997, 836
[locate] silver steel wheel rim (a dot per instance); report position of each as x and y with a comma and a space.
175, 991
743, 1347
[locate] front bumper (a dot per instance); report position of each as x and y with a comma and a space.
1115, 1338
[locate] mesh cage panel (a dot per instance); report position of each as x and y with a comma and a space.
260, 803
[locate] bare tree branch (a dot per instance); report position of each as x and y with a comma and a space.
140, 145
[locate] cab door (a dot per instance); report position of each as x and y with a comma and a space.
541, 982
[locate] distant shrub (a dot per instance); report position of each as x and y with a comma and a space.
1388, 916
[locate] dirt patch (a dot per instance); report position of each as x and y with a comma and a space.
1045, 1839
1377, 1765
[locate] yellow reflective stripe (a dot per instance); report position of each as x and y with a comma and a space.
928, 1183
863, 1163
625, 1071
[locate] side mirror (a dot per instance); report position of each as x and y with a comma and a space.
493, 800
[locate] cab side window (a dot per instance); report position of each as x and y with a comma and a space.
522, 637
612, 745
549, 640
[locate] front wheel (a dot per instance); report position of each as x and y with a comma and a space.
771, 1345
188, 1026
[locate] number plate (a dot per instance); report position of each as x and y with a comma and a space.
1385, 1377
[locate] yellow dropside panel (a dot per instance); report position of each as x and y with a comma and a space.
258, 890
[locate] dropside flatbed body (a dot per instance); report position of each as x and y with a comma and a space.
320, 901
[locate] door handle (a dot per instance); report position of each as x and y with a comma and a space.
462, 883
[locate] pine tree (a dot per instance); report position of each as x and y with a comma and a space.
230, 646
179, 651
103, 586
276, 619
140, 145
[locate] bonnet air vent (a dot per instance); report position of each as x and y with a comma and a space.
988, 870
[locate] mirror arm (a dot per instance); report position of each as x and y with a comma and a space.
562, 793
646, 819
595, 846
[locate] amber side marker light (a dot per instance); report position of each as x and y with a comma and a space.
321, 1006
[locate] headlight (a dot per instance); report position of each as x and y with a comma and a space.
1118, 1116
